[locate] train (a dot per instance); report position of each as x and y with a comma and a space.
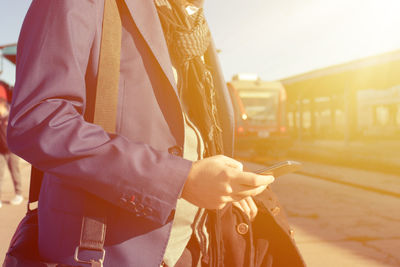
260, 116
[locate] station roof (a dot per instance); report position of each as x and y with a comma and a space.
375, 72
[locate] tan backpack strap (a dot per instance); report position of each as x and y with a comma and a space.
105, 113
105, 110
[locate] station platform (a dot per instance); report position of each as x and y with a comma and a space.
382, 156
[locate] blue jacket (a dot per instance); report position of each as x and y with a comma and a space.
138, 172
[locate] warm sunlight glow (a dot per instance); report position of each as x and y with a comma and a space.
278, 39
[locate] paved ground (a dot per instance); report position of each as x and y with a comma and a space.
338, 225
335, 224
341, 225
372, 180
377, 155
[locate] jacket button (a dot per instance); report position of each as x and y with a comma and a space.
147, 211
275, 211
242, 228
176, 151
139, 208
123, 200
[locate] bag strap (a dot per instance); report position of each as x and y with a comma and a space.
103, 113
93, 229
104, 110
34, 186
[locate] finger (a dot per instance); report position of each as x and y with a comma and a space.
252, 179
252, 206
265, 173
240, 194
246, 208
243, 206
239, 205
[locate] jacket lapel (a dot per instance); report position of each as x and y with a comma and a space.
144, 14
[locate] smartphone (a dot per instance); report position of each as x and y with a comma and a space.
280, 168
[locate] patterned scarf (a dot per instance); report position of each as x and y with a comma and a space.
188, 38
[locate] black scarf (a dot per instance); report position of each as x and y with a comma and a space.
188, 38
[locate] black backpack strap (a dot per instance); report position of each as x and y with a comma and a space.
34, 186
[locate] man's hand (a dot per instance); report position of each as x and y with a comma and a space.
215, 181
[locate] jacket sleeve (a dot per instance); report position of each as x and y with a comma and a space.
47, 127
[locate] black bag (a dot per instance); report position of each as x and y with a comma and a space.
23, 250
265, 242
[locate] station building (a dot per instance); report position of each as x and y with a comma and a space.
352, 101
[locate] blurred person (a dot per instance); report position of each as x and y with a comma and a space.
164, 165
9, 160
4, 90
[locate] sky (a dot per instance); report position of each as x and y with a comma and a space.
275, 38
12, 13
